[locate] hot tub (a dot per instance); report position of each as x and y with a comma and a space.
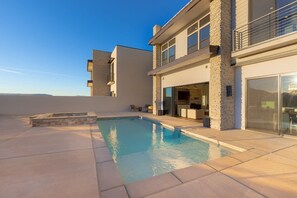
63, 119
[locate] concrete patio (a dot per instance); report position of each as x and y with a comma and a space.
75, 162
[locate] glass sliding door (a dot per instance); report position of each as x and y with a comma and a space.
288, 118
262, 104
168, 101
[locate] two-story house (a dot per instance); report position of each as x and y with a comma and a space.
192, 73
234, 60
122, 73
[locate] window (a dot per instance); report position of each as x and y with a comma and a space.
204, 37
262, 103
198, 35
111, 72
193, 38
272, 104
267, 21
168, 52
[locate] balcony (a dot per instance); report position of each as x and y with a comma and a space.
183, 62
90, 66
90, 83
272, 29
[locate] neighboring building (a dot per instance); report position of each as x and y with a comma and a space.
99, 69
246, 78
122, 74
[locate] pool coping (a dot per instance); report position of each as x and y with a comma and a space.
113, 184
201, 137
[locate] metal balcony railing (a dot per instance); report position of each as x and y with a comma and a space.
274, 24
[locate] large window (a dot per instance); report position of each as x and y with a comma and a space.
111, 72
198, 35
268, 23
168, 52
272, 104
193, 38
262, 104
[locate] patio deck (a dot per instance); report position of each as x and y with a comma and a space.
75, 162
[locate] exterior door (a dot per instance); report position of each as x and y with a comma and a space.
168, 101
262, 104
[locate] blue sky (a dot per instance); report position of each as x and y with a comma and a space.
45, 44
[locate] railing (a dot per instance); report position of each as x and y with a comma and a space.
274, 24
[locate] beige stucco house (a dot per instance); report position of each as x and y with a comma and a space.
99, 70
122, 73
234, 60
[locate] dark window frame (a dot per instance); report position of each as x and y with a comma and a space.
194, 29
166, 56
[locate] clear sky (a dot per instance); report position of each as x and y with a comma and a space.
45, 44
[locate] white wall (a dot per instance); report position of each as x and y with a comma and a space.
113, 87
29, 105
274, 67
100, 73
193, 75
242, 12
181, 41
133, 83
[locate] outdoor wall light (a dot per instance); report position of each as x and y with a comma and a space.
229, 90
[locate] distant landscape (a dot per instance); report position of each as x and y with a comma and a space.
19, 94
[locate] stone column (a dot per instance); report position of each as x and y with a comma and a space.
221, 72
156, 79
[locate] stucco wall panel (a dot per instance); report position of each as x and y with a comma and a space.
181, 43
28, 105
198, 74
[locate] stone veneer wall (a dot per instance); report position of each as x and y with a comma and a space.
221, 72
63, 121
156, 79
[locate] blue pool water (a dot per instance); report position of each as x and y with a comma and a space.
142, 148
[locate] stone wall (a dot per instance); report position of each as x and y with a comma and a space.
221, 72
156, 79
65, 119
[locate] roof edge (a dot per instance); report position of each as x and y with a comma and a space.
171, 21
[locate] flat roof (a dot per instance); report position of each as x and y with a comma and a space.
186, 15
134, 48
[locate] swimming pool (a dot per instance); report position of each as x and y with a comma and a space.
142, 148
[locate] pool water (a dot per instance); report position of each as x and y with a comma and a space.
142, 148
